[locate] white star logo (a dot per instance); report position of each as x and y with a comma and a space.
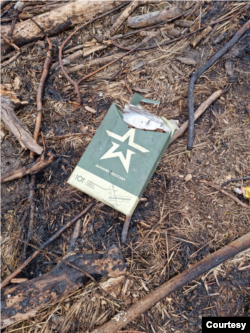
111, 152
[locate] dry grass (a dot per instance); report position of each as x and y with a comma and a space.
179, 224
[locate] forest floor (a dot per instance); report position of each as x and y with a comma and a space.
181, 221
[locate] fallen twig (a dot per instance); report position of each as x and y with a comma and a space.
13, 58
212, 260
7, 40
39, 108
218, 188
51, 239
78, 54
94, 62
43, 78
75, 234
200, 71
202, 108
60, 137
235, 180
125, 228
44, 160
16, 127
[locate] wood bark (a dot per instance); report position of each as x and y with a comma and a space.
153, 17
23, 301
145, 303
11, 121
56, 20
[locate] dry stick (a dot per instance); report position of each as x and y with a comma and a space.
95, 62
74, 83
43, 78
124, 15
218, 188
41, 85
125, 228
202, 108
34, 167
51, 239
235, 180
75, 234
60, 137
9, 42
200, 71
15, 56
124, 318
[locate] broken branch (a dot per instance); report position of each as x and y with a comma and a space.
16, 127
32, 168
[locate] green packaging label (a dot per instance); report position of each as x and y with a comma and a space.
119, 162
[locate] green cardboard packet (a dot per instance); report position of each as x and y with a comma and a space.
120, 161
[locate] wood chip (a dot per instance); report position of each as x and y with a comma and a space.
183, 23
90, 109
187, 61
188, 177
18, 280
